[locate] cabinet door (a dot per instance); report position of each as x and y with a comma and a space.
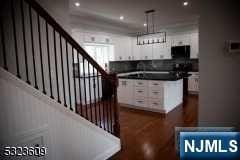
118, 49
193, 84
167, 48
162, 50
89, 38
156, 51
194, 45
125, 91
146, 51
123, 49
180, 40
196, 87
135, 49
190, 84
127, 46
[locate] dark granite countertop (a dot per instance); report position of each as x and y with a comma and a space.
155, 76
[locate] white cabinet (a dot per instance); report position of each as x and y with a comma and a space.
158, 51
135, 49
159, 96
181, 40
125, 91
146, 51
118, 49
127, 45
122, 48
193, 82
162, 50
194, 45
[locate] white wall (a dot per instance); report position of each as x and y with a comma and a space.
59, 10
219, 71
26, 115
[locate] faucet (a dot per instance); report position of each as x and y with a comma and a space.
141, 66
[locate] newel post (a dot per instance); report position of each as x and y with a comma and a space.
116, 125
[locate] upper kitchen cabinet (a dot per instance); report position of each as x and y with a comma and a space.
194, 45
93, 38
122, 48
181, 40
146, 52
135, 49
162, 50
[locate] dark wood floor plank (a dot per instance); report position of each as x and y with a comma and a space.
150, 136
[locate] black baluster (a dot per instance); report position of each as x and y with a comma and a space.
15, 38
63, 77
33, 49
74, 80
68, 74
4, 47
85, 94
89, 87
103, 105
24, 42
56, 64
99, 101
79, 81
107, 114
94, 89
40, 51
49, 63
110, 111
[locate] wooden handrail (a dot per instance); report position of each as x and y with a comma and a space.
50, 20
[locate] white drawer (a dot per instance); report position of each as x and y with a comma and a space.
157, 94
140, 83
140, 92
125, 100
155, 85
141, 102
125, 82
155, 104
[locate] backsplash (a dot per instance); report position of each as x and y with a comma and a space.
150, 65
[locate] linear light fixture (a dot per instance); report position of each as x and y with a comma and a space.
150, 36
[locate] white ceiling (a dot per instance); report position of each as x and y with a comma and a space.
168, 12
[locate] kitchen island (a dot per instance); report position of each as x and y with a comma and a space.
152, 91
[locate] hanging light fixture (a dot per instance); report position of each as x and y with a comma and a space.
150, 36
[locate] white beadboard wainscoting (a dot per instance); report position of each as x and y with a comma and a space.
28, 116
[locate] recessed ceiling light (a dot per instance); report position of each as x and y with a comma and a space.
121, 17
77, 4
145, 24
185, 3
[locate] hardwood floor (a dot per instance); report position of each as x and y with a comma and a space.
150, 136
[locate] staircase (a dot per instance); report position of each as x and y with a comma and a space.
36, 49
